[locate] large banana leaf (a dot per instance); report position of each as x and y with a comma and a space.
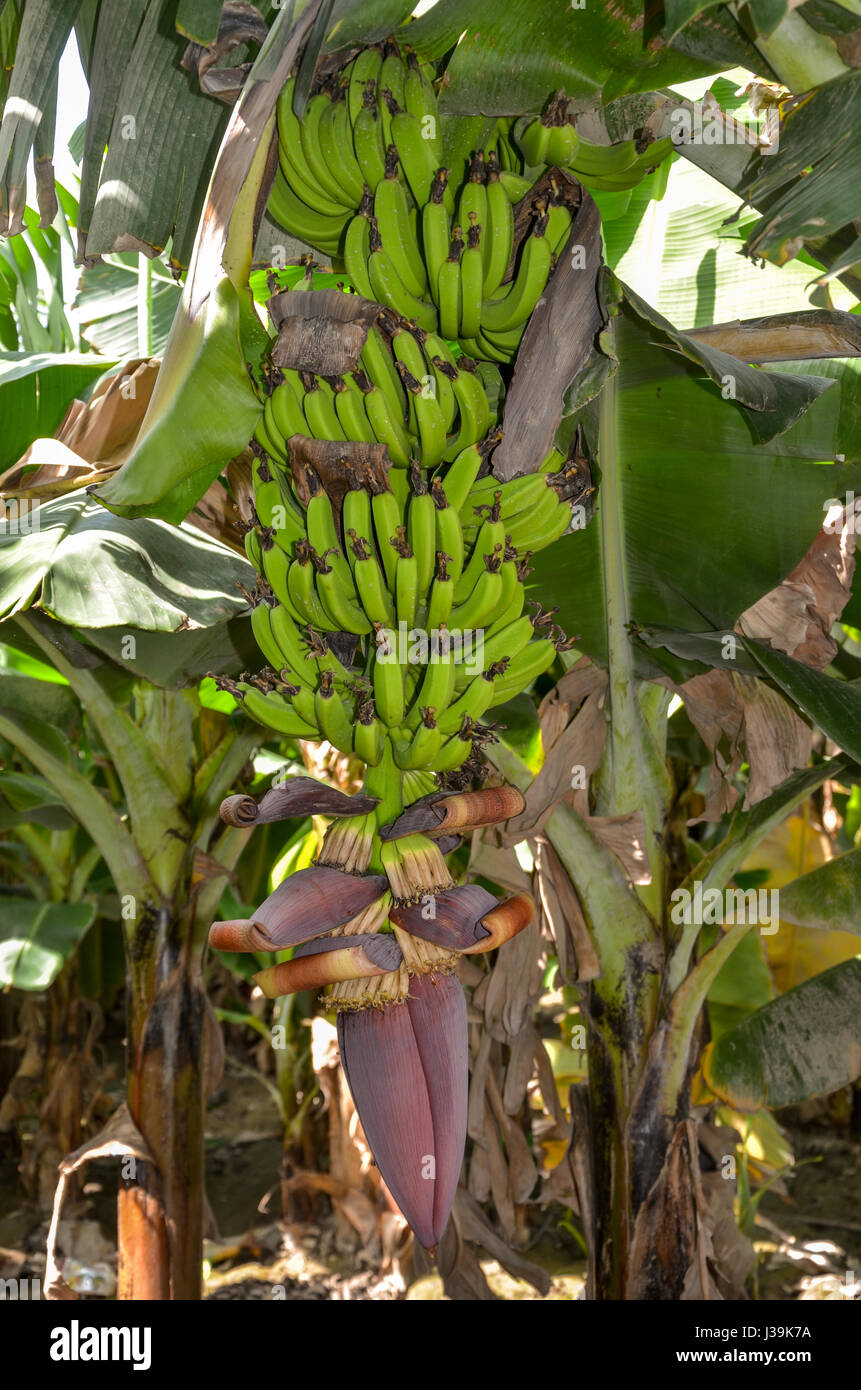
827, 897
108, 301
809, 189
50, 701
695, 518
682, 254
90, 569
805, 1043
512, 59
35, 392
37, 938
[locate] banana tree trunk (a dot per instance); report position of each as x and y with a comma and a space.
160, 1207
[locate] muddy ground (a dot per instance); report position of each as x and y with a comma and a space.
808, 1236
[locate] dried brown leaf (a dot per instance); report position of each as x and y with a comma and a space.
563, 913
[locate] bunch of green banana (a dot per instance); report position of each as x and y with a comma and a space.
551, 139
410, 393
379, 101
430, 588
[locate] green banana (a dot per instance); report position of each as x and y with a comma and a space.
368, 144
435, 690
603, 160
461, 474
387, 428
449, 532
429, 418
293, 648
514, 307
318, 405
387, 518
309, 134
421, 103
483, 602
453, 753
357, 249
332, 718
473, 408
472, 206
275, 713
388, 680
390, 290
302, 596
296, 217
370, 581
498, 237
473, 703
406, 579
523, 669
364, 69
393, 222
336, 150
436, 231
421, 528
421, 750
377, 361
351, 413
369, 734
471, 280
356, 512
287, 414
261, 626
515, 185
418, 159
441, 595
448, 288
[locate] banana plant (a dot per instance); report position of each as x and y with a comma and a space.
221, 374
154, 824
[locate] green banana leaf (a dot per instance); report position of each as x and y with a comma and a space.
512, 60
816, 138
45, 28
704, 503
198, 19
833, 705
806, 1043
749, 828
52, 755
107, 306
31, 281
827, 897
26, 799
365, 21
682, 254
35, 392
36, 940
743, 983
172, 660
93, 570
53, 703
